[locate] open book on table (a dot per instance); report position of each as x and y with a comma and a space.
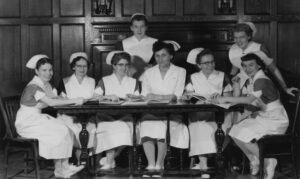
154, 101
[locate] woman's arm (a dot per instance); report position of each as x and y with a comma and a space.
236, 100
60, 102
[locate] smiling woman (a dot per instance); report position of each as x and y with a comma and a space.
55, 140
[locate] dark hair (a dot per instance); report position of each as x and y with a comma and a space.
118, 56
43, 61
252, 56
139, 17
159, 45
203, 53
75, 60
244, 28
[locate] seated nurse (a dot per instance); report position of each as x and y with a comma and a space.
208, 83
115, 130
163, 81
79, 84
270, 119
54, 138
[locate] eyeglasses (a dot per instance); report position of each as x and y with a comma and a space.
122, 64
81, 66
208, 63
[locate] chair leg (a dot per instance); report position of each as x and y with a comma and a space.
181, 159
294, 160
6, 159
261, 161
36, 161
26, 162
243, 163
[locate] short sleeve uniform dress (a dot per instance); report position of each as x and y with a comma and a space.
55, 139
172, 83
202, 132
271, 119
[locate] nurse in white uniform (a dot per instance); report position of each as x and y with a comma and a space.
54, 138
75, 86
243, 37
163, 81
115, 130
270, 119
208, 83
139, 45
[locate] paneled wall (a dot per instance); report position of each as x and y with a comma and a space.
60, 27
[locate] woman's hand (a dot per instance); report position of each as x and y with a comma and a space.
290, 90
236, 80
113, 98
79, 101
214, 96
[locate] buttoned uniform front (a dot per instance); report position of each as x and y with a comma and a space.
271, 119
235, 54
202, 132
71, 88
115, 129
55, 139
154, 126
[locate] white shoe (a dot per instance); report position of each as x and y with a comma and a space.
200, 167
205, 175
106, 167
196, 167
76, 168
270, 168
103, 161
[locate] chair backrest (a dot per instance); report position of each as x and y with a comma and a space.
9, 106
292, 105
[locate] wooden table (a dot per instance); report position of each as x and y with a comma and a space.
135, 110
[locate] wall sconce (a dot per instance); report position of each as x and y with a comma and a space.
103, 7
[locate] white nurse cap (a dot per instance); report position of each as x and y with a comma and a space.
252, 26
175, 44
191, 58
110, 55
33, 60
137, 14
78, 54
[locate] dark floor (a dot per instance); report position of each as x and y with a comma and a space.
285, 173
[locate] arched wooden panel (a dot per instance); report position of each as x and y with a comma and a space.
132, 6
72, 8
10, 53
10, 8
288, 7
39, 8
198, 7
72, 40
164, 7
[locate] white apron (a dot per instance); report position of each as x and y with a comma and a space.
75, 90
202, 133
112, 134
173, 83
55, 139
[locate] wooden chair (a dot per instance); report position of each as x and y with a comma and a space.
13, 142
271, 146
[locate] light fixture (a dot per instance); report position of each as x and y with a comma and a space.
103, 7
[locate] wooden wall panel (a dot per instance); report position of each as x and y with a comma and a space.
263, 34
132, 6
10, 8
10, 53
288, 47
72, 40
257, 6
71, 7
288, 7
198, 7
39, 8
164, 7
